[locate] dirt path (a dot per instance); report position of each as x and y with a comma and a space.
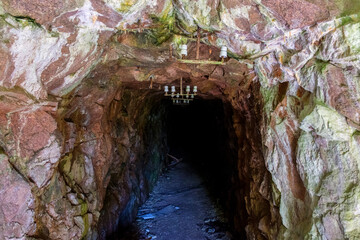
179, 209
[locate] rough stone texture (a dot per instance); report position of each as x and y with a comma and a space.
17, 203
66, 121
43, 12
311, 134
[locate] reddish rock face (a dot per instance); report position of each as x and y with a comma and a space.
32, 141
298, 13
42, 11
32, 131
77, 114
107, 15
5, 66
341, 94
17, 203
287, 145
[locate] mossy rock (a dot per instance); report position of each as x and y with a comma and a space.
125, 5
19, 21
348, 7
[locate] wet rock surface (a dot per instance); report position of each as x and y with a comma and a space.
179, 207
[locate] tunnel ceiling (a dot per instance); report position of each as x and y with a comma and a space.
80, 35
75, 110
137, 67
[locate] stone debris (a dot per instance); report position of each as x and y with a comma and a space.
161, 220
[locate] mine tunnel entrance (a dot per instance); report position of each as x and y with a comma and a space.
201, 134
202, 137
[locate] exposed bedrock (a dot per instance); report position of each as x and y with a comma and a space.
83, 118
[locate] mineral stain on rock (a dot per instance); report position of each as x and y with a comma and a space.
84, 139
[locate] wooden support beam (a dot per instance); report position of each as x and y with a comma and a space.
170, 51
181, 87
174, 158
151, 82
198, 44
201, 62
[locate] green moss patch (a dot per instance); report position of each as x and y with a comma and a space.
19, 21
348, 7
125, 5
165, 30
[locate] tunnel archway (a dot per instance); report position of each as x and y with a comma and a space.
202, 135
205, 133
130, 119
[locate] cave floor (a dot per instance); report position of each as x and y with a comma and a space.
179, 208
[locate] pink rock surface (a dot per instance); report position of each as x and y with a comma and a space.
17, 203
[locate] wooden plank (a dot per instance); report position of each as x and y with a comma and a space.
201, 62
198, 44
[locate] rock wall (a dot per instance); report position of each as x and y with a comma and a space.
292, 81
311, 127
114, 152
140, 156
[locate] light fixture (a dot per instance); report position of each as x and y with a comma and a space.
223, 53
184, 53
181, 98
183, 50
185, 98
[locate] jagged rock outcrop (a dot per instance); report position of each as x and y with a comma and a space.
74, 140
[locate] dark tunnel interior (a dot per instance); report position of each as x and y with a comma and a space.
202, 135
199, 133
